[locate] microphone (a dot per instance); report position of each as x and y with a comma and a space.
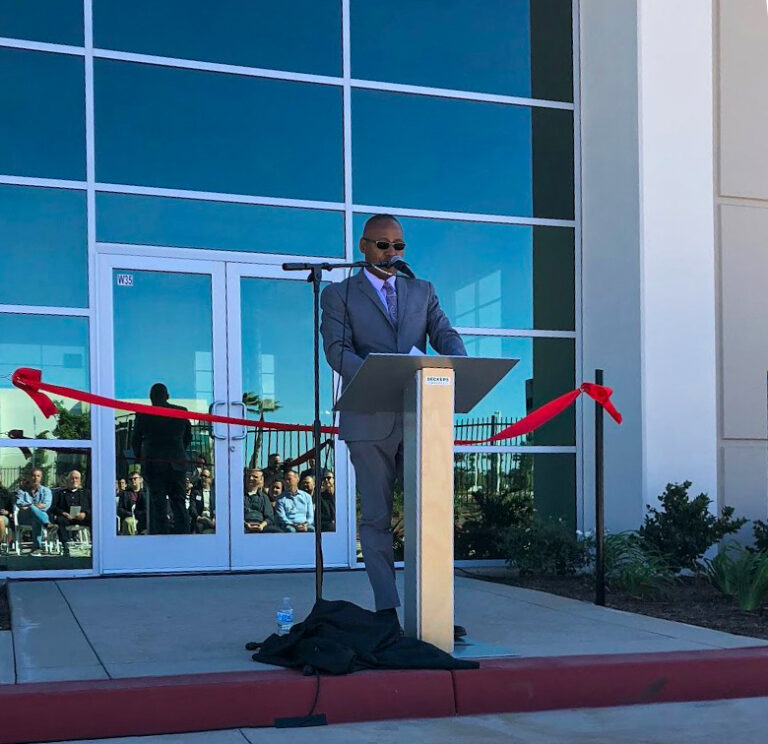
398, 263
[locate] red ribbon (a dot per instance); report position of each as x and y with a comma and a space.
31, 382
599, 393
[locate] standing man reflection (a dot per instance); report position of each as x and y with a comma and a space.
161, 444
376, 311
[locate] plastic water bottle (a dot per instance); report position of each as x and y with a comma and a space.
285, 617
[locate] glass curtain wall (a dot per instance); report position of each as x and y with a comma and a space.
251, 131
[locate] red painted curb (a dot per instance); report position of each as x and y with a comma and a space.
159, 705
520, 685
93, 709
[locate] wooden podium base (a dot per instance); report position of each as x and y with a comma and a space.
422, 388
428, 497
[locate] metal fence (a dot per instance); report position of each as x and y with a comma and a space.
477, 428
54, 463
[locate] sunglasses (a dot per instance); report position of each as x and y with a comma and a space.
383, 245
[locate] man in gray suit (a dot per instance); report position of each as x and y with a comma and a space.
376, 312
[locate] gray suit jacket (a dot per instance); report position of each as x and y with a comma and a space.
355, 323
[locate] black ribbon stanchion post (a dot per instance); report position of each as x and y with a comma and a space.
599, 504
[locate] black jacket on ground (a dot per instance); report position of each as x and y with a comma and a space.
339, 637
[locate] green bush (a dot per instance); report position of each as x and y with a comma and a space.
741, 574
760, 531
684, 529
641, 573
481, 533
546, 548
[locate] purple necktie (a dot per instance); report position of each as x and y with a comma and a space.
389, 291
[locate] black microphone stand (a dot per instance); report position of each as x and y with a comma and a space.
315, 278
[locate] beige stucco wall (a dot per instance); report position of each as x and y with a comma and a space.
741, 42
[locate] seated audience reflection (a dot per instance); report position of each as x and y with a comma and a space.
273, 471
328, 502
132, 507
200, 465
34, 501
259, 516
72, 509
307, 484
6, 517
205, 503
191, 497
275, 491
294, 508
309, 470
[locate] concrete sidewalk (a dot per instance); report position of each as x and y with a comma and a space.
131, 627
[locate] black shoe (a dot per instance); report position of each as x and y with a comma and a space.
459, 631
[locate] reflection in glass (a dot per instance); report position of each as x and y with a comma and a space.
54, 21
191, 223
484, 157
45, 250
259, 503
508, 47
46, 519
206, 131
496, 491
58, 347
42, 114
277, 380
545, 371
300, 36
163, 350
512, 276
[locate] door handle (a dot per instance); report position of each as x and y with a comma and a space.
245, 411
212, 410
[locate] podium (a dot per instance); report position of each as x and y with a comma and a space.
426, 390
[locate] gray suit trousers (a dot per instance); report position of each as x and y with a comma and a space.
377, 465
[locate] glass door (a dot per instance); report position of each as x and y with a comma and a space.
270, 374
234, 339
163, 338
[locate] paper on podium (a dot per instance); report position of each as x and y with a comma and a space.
378, 385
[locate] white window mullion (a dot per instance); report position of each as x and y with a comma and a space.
349, 232
41, 46
51, 444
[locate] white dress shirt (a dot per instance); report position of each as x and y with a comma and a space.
378, 285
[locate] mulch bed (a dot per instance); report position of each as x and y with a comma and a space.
692, 600
5, 610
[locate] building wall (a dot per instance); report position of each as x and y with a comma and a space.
648, 246
742, 212
610, 220
677, 245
